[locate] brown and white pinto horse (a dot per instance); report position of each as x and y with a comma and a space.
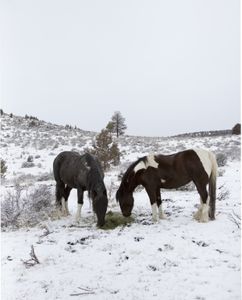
171, 171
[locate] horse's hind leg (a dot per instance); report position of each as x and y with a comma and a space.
66, 195
59, 193
202, 214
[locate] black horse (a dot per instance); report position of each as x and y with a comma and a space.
171, 171
81, 172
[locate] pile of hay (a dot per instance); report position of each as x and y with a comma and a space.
115, 219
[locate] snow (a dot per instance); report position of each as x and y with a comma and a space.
176, 258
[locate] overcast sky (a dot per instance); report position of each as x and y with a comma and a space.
168, 66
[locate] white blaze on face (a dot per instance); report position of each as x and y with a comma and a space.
205, 160
150, 162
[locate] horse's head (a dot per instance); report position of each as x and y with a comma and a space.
100, 204
126, 201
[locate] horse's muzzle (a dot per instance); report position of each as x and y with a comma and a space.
100, 223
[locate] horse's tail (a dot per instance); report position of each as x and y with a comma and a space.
212, 185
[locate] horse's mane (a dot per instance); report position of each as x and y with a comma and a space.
95, 175
129, 174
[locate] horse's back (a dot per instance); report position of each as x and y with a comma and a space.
66, 165
70, 166
65, 156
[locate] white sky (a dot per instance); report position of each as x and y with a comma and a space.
168, 66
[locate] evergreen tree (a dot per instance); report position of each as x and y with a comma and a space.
106, 150
117, 124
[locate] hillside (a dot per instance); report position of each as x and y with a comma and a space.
21, 137
175, 258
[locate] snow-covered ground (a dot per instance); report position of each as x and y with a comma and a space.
176, 258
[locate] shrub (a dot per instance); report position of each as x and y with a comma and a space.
3, 168
30, 158
27, 206
27, 164
223, 193
221, 159
32, 124
45, 177
236, 129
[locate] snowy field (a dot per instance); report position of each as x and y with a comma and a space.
176, 258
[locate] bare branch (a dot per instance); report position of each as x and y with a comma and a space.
235, 218
86, 291
33, 260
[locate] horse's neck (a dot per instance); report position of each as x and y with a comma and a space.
99, 185
167, 160
132, 184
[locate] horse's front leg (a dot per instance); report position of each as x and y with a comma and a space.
153, 201
79, 204
159, 204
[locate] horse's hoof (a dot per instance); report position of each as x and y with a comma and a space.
203, 221
196, 216
162, 217
211, 217
155, 220
77, 220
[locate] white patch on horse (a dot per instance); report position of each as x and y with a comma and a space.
205, 160
163, 180
87, 166
67, 210
139, 166
78, 213
154, 212
161, 213
202, 214
63, 206
151, 162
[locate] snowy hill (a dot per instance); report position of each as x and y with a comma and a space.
177, 258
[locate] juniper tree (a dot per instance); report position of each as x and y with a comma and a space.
106, 150
117, 124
